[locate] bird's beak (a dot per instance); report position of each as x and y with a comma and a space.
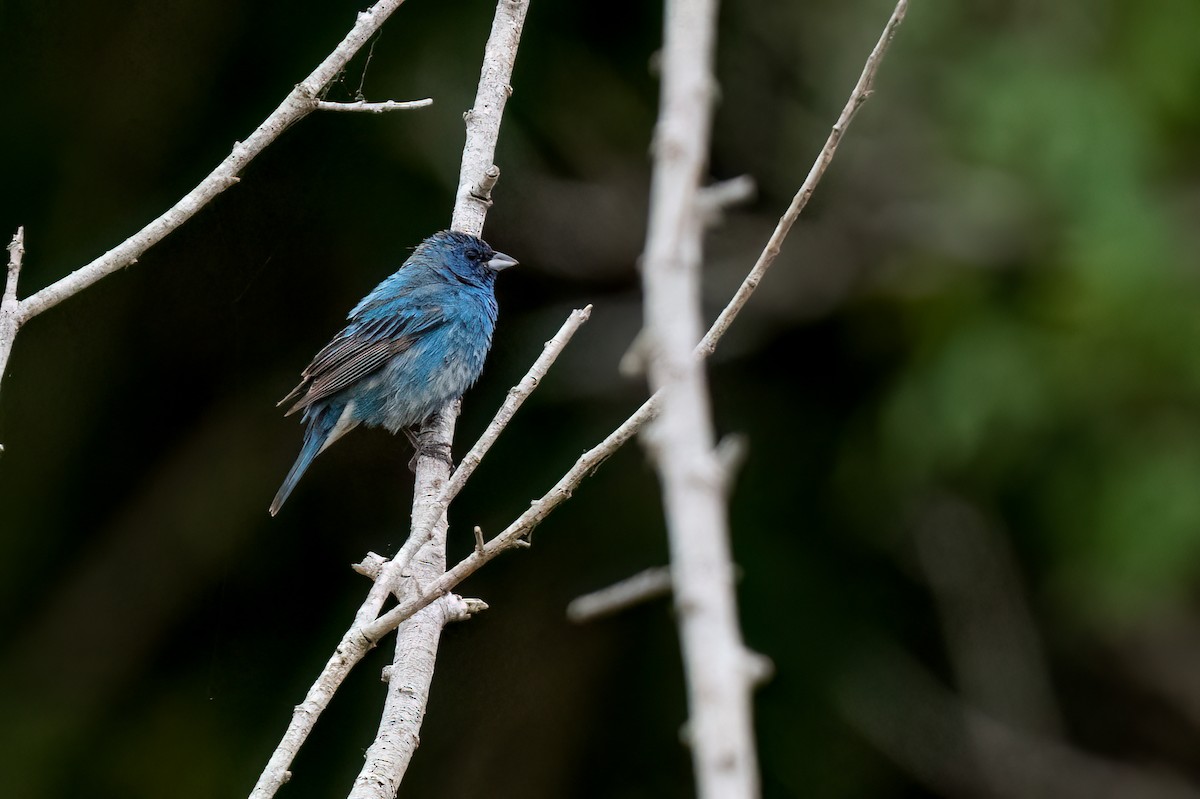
501, 261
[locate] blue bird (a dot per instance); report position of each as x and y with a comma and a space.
415, 343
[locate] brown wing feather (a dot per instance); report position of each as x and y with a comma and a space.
339, 364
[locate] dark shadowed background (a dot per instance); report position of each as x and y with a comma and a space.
969, 523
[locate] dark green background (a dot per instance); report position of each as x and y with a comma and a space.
970, 386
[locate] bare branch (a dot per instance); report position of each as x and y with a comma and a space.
301, 101
512, 403
362, 106
371, 566
482, 190
715, 199
398, 737
862, 91
16, 254
681, 443
10, 307
478, 173
510, 537
416, 643
642, 587
352, 648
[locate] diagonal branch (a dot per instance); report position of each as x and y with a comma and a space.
642, 587
466, 467
862, 91
299, 103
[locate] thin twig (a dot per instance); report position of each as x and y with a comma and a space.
362, 106
862, 91
642, 587
716, 198
510, 537
512, 403
301, 101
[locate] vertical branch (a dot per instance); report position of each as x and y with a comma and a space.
478, 174
408, 680
417, 638
10, 307
718, 667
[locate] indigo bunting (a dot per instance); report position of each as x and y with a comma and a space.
415, 343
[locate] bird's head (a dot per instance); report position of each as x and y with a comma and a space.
466, 255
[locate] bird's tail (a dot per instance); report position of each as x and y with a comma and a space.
316, 435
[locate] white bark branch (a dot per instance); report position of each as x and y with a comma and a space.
10, 307
300, 102
417, 638
862, 91
681, 442
478, 173
516, 397
483, 124
642, 587
408, 681
362, 106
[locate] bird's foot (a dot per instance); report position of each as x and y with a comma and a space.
427, 449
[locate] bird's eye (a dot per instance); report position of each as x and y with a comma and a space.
472, 255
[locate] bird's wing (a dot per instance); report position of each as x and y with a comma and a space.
357, 351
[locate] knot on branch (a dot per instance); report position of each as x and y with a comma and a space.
482, 190
371, 566
457, 608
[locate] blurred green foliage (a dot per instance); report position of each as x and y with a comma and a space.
993, 297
